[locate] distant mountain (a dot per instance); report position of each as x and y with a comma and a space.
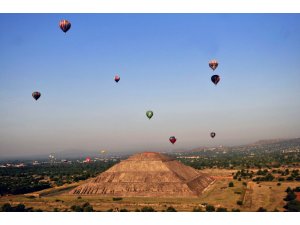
271, 141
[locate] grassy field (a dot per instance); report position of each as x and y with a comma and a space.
253, 195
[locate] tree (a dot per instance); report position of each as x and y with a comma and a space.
210, 208
221, 209
20, 208
235, 210
288, 190
88, 209
230, 184
290, 196
6, 208
171, 209
147, 209
239, 202
261, 209
292, 206
76, 208
124, 210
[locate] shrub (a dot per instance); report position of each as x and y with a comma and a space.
6, 208
124, 210
117, 199
230, 184
20, 208
293, 206
221, 209
261, 209
171, 209
290, 196
235, 210
147, 209
239, 202
210, 208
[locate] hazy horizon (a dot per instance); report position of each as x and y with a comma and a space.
162, 60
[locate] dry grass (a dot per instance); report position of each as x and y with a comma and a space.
264, 194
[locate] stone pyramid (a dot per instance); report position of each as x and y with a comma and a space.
147, 174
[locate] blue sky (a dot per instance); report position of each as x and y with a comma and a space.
162, 60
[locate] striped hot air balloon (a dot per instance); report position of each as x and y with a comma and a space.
65, 25
213, 64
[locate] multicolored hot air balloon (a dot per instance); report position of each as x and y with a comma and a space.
36, 95
149, 114
213, 64
65, 25
172, 139
117, 78
215, 79
212, 134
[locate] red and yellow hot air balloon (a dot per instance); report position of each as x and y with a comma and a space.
65, 25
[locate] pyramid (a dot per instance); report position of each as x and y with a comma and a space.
147, 174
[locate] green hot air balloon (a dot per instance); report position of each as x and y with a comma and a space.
149, 114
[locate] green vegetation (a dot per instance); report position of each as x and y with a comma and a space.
147, 209
221, 209
261, 209
86, 207
7, 207
171, 209
230, 184
292, 205
210, 208
35, 178
239, 202
269, 155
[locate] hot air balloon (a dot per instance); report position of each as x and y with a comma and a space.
36, 95
212, 134
103, 151
213, 64
215, 79
149, 114
117, 78
88, 159
172, 139
65, 25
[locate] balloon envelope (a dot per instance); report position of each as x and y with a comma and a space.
213, 64
65, 25
149, 114
117, 78
36, 95
215, 79
172, 139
